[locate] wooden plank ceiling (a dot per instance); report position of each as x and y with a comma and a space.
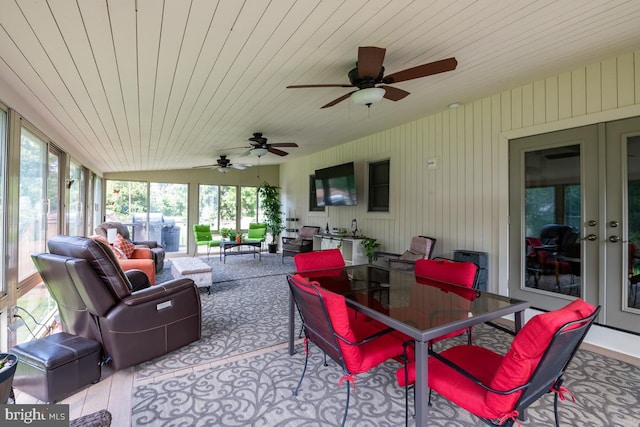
167, 84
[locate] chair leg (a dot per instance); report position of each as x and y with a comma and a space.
555, 408
306, 360
346, 408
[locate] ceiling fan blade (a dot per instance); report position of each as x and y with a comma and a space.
370, 60
320, 85
337, 100
284, 144
205, 166
423, 70
276, 151
393, 93
246, 153
239, 167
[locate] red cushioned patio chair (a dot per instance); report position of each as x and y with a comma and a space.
356, 346
498, 388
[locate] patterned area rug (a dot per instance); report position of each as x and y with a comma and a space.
247, 311
256, 391
239, 316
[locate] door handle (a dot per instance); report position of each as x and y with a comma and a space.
614, 239
590, 237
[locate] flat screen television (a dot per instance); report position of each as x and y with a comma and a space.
336, 185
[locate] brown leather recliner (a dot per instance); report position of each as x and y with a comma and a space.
157, 251
97, 300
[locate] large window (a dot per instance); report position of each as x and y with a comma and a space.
313, 196
31, 210
152, 211
224, 206
76, 189
3, 216
379, 186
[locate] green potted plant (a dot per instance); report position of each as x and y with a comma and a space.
228, 233
370, 245
272, 207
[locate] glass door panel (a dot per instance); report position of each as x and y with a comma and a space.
622, 225
553, 201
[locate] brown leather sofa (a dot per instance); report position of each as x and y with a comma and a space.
97, 300
157, 251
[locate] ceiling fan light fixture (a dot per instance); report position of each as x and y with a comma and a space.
223, 170
368, 96
259, 151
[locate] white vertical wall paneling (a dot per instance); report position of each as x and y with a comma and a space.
463, 202
527, 105
564, 96
551, 99
486, 178
469, 154
594, 89
462, 175
609, 84
516, 108
447, 182
496, 197
578, 92
624, 80
636, 75
539, 105
477, 186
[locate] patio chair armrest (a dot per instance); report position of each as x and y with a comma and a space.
386, 254
367, 339
501, 328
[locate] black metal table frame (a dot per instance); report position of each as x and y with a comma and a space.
422, 337
227, 245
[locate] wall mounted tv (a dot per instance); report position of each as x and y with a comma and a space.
336, 185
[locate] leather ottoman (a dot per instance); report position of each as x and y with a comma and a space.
55, 367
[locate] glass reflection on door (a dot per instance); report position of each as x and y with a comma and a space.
553, 220
633, 215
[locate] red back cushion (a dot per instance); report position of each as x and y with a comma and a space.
526, 351
319, 259
124, 245
458, 273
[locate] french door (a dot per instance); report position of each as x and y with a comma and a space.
575, 219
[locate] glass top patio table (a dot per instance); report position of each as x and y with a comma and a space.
420, 308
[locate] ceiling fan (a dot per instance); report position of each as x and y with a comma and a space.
223, 165
259, 146
369, 73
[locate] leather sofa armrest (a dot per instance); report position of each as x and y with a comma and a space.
138, 278
148, 243
158, 292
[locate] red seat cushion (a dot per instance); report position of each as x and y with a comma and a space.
499, 372
458, 273
526, 350
319, 259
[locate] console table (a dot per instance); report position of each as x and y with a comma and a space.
352, 251
225, 247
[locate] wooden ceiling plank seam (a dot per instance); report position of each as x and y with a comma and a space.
47, 32
27, 69
181, 31
256, 66
77, 43
97, 28
188, 61
122, 22
243, 28
204, 90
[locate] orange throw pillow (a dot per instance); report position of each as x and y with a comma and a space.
124, 245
